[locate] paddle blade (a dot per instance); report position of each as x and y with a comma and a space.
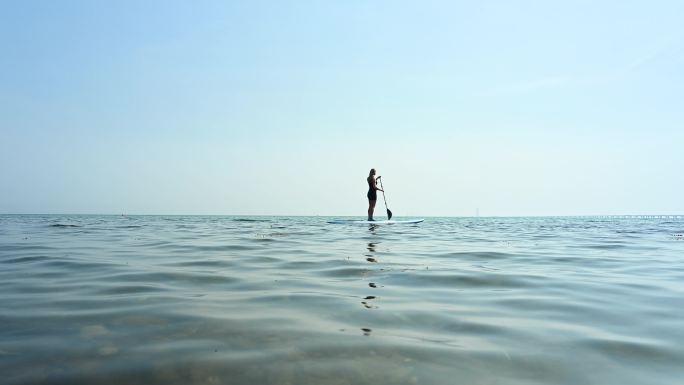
389, 214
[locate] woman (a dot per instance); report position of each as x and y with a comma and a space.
372, 195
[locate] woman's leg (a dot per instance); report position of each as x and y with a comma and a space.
371, 208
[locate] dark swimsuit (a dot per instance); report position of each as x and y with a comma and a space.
372, 194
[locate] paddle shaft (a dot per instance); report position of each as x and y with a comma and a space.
389, 213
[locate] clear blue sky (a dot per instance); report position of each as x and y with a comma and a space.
282, 107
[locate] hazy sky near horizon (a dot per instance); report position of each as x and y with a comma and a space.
282, 107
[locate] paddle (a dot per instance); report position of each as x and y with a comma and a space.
389, 213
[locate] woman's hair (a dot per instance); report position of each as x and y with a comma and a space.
372, 172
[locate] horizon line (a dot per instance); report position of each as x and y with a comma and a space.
681, 216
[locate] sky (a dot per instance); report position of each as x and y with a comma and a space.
496, 108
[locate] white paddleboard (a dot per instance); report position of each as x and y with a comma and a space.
362, 222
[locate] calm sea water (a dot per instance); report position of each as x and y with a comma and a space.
294, 300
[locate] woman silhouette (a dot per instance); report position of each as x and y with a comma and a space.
372, 195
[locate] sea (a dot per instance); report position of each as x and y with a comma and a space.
89, 299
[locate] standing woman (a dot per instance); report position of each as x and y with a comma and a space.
372, 195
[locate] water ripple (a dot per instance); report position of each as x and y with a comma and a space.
280, 300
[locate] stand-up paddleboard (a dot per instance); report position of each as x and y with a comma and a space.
362, 222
